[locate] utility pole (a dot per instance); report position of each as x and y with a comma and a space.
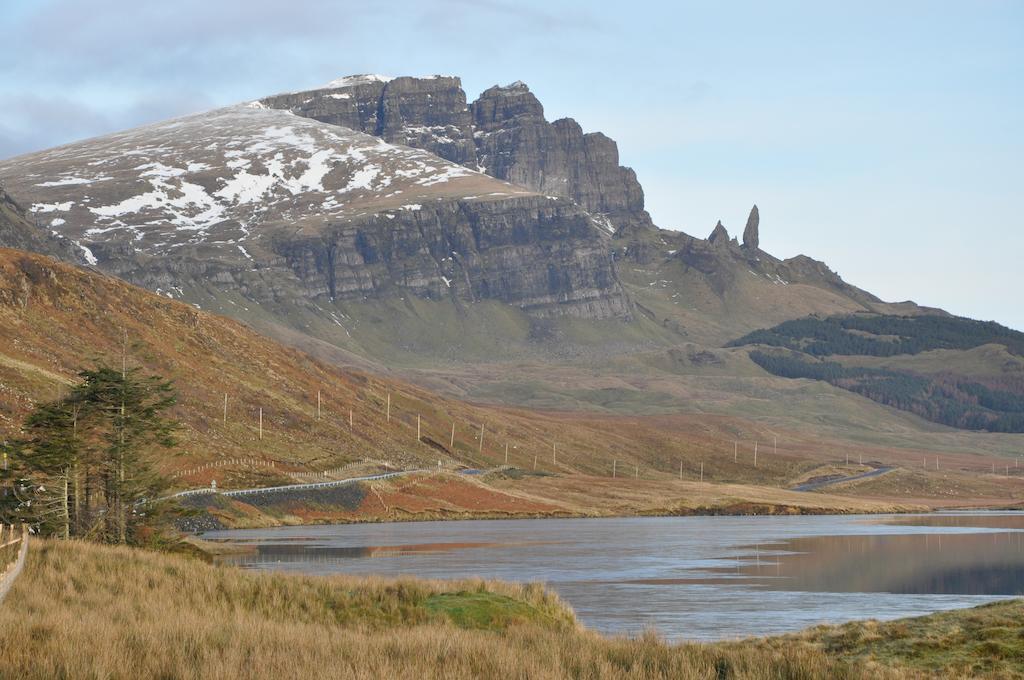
755, 454
702, 472
681, 469
735, 451
389, 407
481, 437
636, 472
418, 437
506, 453
350, 417
451, 444
261, 423
318, 404
614, 465
225, 408
553, 445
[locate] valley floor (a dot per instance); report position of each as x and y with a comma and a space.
87, 611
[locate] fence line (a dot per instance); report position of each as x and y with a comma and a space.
12, 570
254, 462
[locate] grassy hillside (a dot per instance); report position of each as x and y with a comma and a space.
958, 372
55, 318
85, 611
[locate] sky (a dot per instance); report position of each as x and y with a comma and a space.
885, 138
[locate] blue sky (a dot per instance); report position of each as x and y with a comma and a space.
885, 138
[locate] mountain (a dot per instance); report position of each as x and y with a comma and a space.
474, 248
392, 219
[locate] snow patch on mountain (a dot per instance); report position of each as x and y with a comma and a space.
227, 175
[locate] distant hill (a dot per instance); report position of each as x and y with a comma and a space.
876, 356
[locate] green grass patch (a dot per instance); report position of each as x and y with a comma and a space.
484, 611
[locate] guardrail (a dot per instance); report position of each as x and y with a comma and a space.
293, 487
9, 538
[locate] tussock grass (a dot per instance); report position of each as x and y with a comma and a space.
86, 611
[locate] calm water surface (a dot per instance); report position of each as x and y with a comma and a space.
688, 577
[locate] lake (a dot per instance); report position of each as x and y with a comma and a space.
698, 578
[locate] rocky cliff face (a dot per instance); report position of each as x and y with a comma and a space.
292, 211
534, 253
517, 144
18, 231
503, 133
425, 113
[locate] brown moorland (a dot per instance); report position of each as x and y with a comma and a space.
55, 319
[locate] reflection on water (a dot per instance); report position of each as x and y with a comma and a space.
988, 520
692, 577
296, 551
957, 564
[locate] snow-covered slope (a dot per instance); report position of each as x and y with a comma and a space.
229, 176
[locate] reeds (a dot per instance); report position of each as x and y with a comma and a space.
86, 611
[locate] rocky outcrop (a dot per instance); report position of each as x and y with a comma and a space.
719, 235
516, 143
18, 231
425, 113
534, 253
541, 255
503, 133
803, 269
751, 239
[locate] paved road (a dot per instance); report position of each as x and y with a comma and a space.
293, 487
815, 485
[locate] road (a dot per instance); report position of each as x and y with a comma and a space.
292, 487
814, 485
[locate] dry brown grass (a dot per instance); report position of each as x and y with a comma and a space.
85, 611
55, 318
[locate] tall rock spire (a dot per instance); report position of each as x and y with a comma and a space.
719, 236
751, 239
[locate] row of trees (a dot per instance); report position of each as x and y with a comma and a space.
947, 399
883, 336
81, 468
